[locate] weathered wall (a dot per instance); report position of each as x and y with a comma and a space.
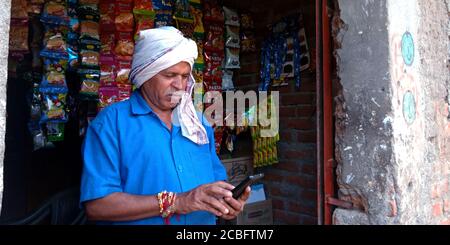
4, 41
363, 139
392, 119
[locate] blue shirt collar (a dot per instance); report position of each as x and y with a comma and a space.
138, 104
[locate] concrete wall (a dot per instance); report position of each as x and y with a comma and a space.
392, 140
4, 43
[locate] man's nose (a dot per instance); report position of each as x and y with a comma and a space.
177, 82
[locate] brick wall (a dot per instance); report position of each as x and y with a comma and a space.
292, 183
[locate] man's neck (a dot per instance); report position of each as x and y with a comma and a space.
164, 115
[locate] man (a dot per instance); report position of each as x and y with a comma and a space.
150, 160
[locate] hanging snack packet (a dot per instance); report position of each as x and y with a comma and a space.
197, 15
213, 63
227, 81
54, 108
89, 21
107, 40
163, 18
107, 96
55, 12
200, 61
125, 44
107, 77
143, 22
73, 59
143, 7
54, 79
88, 2
89, 83
248, 42
232, 37
124, 91
39, 140
89, 54
186, 26
19, 9
218, 135
55, 132
18, 36
107, 15
55, 42
122, 76
181, 10
231, 17
247, 22
124, 20
212, 11
232, 58
214, 38
162, 5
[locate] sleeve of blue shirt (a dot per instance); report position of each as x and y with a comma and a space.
101, 171
219, 170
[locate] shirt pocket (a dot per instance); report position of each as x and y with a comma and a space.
201, 163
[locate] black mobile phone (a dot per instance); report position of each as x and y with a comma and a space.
238, 190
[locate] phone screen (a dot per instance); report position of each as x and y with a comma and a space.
238, 190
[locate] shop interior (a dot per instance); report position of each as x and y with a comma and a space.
68, 59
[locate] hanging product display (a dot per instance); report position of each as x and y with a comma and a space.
284, 53
265, 150
92, 42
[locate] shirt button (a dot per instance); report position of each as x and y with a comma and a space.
180, 168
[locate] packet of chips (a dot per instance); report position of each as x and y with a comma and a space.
54, 108
231, 17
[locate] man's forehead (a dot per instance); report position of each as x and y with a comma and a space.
182, 67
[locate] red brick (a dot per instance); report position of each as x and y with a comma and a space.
437, 209
247, 80
445, 187
307, 137
308, 86
289, 166
250, 58
286, 136
285, 89
297, 154
273, 177
306, 111
300, 124
308, 169
308, 195
277, 204
275, 191
286, 112
280, 216
297, 99
301, 181
435, 191
447, 205
250, 68
299, 208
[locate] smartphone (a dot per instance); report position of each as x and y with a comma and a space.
238, 190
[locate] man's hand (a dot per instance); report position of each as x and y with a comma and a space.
208, 197
235, 206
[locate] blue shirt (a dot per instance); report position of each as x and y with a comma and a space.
129, 149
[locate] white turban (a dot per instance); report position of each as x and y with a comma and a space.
158, 49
